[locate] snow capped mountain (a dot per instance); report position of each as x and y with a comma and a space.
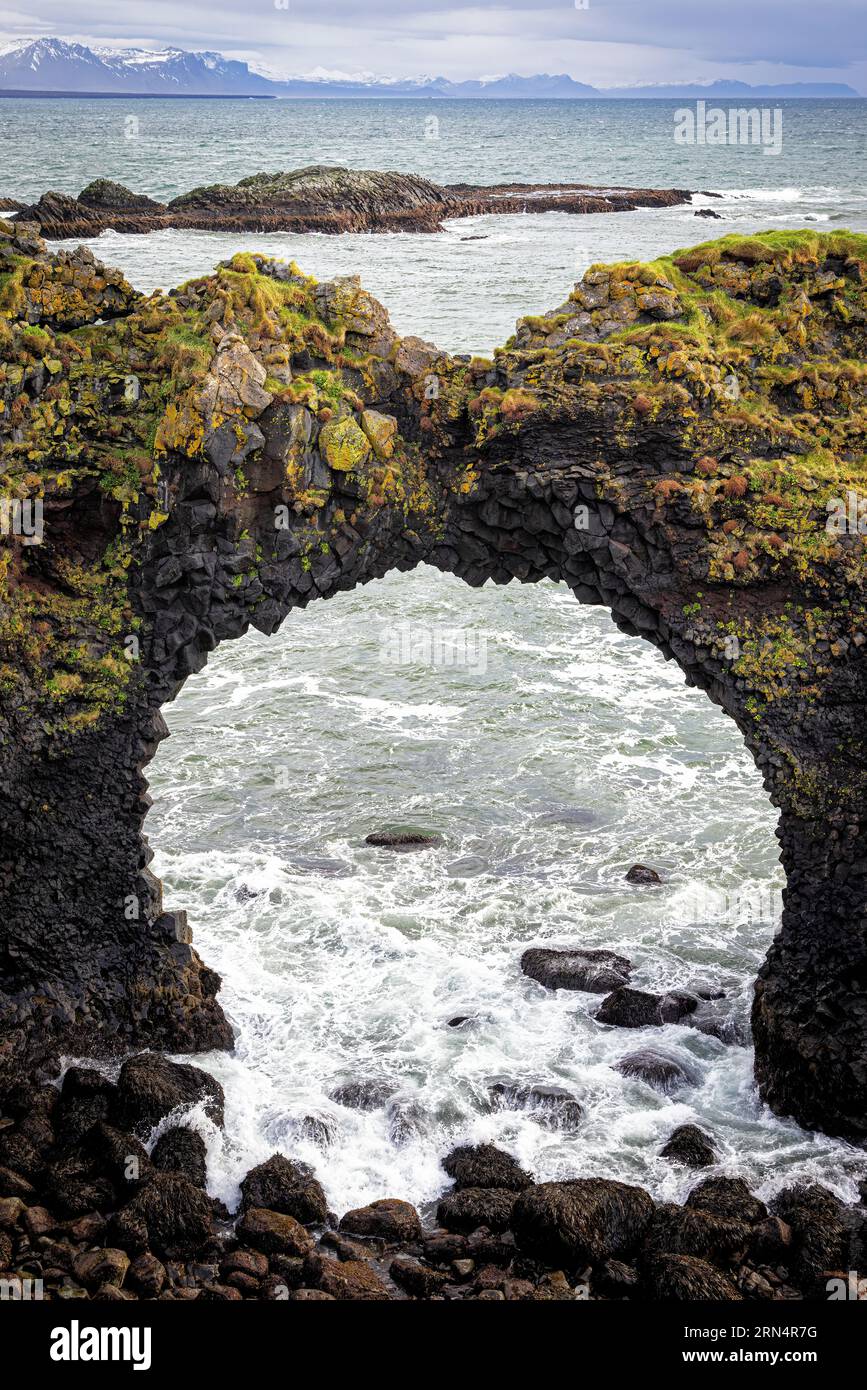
43, 65
55, 65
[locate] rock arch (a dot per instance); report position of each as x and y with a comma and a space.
666, 443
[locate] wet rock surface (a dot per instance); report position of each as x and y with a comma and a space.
596, 972
322, 199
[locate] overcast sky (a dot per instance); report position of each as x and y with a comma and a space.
610, 42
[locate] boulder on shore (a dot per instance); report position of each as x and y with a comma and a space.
389, 1219
687, 1279
584, 1221
284, 1186
467, 1208
150, 1087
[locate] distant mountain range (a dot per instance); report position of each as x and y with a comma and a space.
33, 66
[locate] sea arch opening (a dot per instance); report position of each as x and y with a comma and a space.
549, 752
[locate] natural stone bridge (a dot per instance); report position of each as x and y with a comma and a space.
666, 443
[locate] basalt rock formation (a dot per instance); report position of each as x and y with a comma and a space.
322, 199
681, 442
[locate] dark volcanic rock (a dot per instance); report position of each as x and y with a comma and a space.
587, 1220
690, 1145
468, 1208
150, 1087
169, 1216
402, 839
265, 400
484, 1165
687, 1279
181, 1150
85, 1098
634, 1008
284, 1186
321, 199
596, 972
662, 1072
819, 1230
274, 1232
389, 1218
690, 1231
107, 196
727, 1197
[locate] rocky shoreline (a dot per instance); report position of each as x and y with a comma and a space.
320, 199
102, 1197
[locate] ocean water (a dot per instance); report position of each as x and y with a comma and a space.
549, 754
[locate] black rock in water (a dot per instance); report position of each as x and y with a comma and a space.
150, 1087
690, 1145
635, 1008
484, 1165
595, 972
640, 873
402, 840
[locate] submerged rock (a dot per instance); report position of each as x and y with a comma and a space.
551, 1106
362, 1095
403, 840
657, 1069
596, 972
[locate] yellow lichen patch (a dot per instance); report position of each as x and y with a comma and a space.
344, 445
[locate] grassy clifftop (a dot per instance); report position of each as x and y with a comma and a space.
743, 360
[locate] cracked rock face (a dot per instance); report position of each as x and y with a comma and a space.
681, 442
